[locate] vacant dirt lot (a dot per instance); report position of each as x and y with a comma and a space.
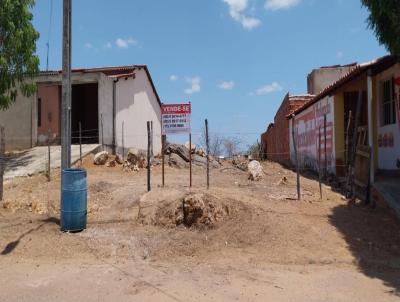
261, 243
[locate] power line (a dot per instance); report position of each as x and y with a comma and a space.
48, 35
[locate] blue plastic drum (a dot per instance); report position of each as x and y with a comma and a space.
73, 200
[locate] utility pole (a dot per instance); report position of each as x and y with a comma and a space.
66, 88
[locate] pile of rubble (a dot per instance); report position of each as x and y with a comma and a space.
135, 160
179, 156
253, 167
175, 155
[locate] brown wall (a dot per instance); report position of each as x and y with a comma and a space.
275, 140
49, 94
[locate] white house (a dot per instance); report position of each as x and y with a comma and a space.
106, 101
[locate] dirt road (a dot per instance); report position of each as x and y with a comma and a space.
269, 247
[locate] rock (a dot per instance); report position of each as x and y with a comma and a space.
240, 163
135, 157
202, 161
193, 149
201, 152
111, 163
176, 161
100, 158
180, 150
118, 160
255, 170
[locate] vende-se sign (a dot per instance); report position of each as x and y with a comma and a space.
175, 118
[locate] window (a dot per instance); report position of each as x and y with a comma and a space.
39, 112
388, 110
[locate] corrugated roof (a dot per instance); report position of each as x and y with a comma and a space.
111, 71
375, 66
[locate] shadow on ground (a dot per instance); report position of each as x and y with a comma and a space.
13, 244
17, 160
373, 236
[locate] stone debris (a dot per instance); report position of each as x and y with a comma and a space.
100, 158
119, 160
240, 163
193, 149
175, 160
180, 150
255, 170
189, 210
111, 163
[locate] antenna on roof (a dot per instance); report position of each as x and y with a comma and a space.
49, 33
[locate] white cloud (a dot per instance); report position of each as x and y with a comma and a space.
194, 85
280, 4
108, 45
88, 45
124, 43
227, 85
236, 11
269, 88
173, 78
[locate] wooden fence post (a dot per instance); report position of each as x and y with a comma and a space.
123, 143
80, 142
296, 160
319, 162
102, 132
148, 157
48, 155
2, 159
190, 160
325, 155
163, 139
208, 155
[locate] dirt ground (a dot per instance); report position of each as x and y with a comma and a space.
266, 247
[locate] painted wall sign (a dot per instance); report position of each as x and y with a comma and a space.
307, 125
175, 118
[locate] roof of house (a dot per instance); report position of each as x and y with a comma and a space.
111, 71
375, 67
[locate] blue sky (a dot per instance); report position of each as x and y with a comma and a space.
233, 59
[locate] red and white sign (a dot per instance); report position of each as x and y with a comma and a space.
175, 118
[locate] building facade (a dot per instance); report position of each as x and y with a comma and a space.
106, 103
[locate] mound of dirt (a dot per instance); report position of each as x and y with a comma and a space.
176, 208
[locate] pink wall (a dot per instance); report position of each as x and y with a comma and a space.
50, 111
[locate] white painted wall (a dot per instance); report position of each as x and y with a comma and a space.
388, 156
306, 135
105, 99
136, 103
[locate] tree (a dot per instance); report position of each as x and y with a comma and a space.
384, 20
18, 62
215, 141
255, 150
231, 145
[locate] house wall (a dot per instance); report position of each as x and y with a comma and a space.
307, 125
50, 111
388, 140
339, 122
105, 99
20, 124
136, 103
320, 78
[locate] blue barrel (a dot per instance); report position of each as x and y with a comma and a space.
73, 200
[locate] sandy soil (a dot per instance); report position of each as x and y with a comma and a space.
270, 246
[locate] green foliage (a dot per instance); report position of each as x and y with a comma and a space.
254, 150
18, 62
384, 19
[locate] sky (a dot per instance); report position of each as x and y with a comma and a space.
234, 60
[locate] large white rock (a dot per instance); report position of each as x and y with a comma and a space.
100, 158
255, 170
